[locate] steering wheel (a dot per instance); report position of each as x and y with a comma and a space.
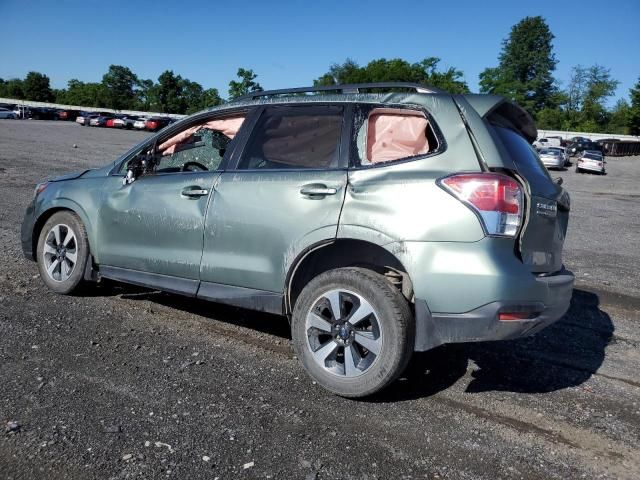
198, 165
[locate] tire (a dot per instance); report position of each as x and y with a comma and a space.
388, 331
66, 276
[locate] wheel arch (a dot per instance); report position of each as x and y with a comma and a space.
48, 213
340, 253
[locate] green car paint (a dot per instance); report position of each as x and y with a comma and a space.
252, 229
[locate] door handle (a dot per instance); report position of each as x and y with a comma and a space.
194, 192
317, 190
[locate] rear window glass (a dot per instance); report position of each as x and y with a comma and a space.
525, 157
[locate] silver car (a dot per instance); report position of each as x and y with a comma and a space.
563, 152
552, 158
6, 113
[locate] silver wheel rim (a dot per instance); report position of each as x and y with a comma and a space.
60, 252
344, 334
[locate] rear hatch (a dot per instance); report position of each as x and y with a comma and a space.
547, 210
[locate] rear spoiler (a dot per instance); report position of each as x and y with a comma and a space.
502, 111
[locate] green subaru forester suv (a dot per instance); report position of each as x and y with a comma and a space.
381, 219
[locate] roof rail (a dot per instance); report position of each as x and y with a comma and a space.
352, 88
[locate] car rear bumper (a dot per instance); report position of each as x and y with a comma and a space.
461, 288
591, 168
483, 323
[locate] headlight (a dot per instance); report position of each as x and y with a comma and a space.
40, 188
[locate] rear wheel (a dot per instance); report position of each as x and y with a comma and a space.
63, 251
353, 331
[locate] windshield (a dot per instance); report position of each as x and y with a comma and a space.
548, 151
591, 156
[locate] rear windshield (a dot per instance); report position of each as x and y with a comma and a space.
527, 161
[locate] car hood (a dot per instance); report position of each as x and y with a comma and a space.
68, 176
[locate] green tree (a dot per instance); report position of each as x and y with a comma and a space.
619, 118
146, 95
246, 83
395, 70
211, 98
600, 86
14, 88
83, 94
37, 87
169, 93
633, 121
120, 83
526, 65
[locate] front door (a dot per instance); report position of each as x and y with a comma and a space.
155, 225
283, 193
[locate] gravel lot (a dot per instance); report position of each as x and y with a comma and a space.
128, 383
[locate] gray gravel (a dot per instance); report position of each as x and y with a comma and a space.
127, 383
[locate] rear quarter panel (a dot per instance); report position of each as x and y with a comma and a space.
400, 201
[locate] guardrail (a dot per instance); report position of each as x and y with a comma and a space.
30, 103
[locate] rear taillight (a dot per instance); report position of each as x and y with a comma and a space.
496, 198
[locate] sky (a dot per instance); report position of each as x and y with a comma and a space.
289, 43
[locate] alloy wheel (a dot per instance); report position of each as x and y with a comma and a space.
60, 252
344, 333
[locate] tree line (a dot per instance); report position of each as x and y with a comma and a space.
524, 73
121, 89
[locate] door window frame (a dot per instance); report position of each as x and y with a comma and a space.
247, 134
362, 110
184, 124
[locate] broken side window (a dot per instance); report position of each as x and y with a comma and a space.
392, 134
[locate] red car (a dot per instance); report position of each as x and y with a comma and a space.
154, 124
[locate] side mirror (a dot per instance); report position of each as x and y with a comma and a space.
559, 180
143, 164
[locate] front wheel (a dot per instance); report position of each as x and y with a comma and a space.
353, 331
63, 251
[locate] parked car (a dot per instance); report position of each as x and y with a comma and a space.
576, 147
371, 221
6, 113
546, 142
42, 113
591, 161
70, 115
154, 124
124, 121
563, 153
85, 118
552, 158
100, 120
141, 123
22, 111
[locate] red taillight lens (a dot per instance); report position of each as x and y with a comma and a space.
509, 316
495, 197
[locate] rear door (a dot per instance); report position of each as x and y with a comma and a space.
283, 193
503, 133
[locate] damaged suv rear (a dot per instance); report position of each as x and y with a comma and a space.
382, 219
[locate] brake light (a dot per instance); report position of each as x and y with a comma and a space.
496, 198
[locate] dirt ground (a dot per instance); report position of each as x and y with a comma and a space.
124, 382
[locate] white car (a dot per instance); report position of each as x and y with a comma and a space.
6, 113
546, 143
552, 158
140, 124
591, 161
